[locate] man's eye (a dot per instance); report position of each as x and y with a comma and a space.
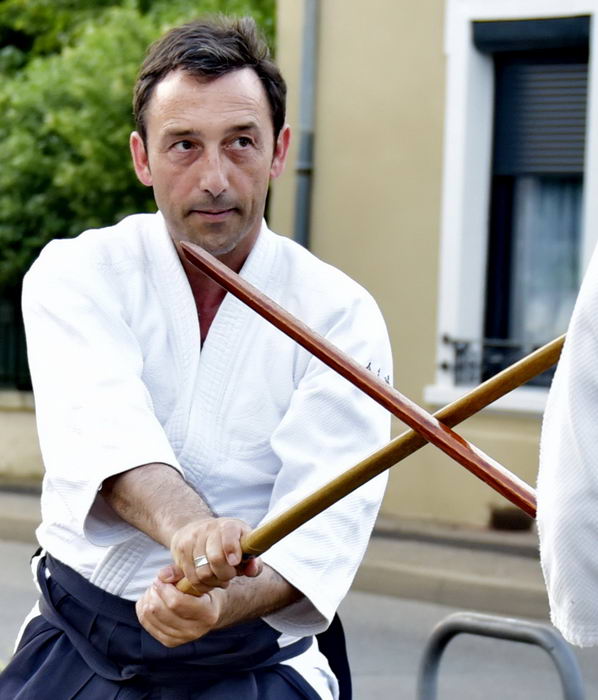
182, 146
243, 141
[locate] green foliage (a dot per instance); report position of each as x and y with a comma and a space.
45, 26
66, 115
40, 27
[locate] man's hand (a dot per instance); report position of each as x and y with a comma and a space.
156, 500
174, 618
219, 539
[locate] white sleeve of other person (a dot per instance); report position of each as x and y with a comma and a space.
568, 477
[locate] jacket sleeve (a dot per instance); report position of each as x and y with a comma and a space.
329, 427
94, 414
568, 476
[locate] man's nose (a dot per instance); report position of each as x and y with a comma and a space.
213, 177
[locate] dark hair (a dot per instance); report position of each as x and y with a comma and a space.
209, 48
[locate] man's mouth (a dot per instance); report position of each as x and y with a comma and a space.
213, 214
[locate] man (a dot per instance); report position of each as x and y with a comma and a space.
568, 477
172, 419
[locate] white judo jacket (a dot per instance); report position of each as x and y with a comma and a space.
568, 478
252, 421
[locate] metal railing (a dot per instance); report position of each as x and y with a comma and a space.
474, 361
510, 629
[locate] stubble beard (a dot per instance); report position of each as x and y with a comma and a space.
212, 242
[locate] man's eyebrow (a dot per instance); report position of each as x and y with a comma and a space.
247, 126
179, 133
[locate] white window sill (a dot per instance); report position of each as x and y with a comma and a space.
13, 400
526, 400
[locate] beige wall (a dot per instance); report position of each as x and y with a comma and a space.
20, 458
376, 214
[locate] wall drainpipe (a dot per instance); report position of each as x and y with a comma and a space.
307, 90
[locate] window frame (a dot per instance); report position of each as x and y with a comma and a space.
466, 183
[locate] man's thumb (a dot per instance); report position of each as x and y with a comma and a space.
170, 574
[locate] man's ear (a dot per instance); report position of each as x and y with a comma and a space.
280, 151
140, 159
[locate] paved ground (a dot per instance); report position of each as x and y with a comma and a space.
386, 637
17, 592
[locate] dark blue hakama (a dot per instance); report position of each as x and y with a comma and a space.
88, 644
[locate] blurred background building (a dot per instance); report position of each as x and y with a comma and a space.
454, 147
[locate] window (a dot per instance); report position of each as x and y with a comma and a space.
516, 228
533, 270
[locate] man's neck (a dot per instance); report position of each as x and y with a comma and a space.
208, 295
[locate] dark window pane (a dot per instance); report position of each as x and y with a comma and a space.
14, 370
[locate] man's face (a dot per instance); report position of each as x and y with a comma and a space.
209, 156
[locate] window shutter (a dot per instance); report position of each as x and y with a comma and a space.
540, 118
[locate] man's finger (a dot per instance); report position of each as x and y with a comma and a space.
230, 535
183, 559
217, 556
171, 574
171, 609
250, 567
205, 576
149, 612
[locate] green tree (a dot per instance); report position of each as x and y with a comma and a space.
66, 113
